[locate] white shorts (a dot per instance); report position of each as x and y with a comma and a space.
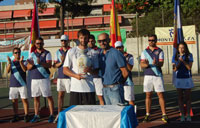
129, 93
98, 86
155, 82
185, 83
15, 91
63, 85
40, 87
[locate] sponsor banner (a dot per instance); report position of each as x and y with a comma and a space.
6, 48
166, 35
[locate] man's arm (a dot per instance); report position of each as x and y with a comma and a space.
69, 73
9, 65
124, 73
24, 68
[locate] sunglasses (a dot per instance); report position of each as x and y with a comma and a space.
39, 43
16, 52
101, 41
118, 47
63, 41
151, 40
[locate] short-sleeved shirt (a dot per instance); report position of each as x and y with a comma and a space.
158, 54
38, 71
71, 61
182, 71
57, 59
16, 68
110, 64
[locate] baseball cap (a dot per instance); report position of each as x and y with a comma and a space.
64, 37
118, 44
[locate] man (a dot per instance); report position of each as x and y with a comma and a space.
39, 63
152, 59
113, 70
18, 83
80, 65
128, 85
96, 78
63, 81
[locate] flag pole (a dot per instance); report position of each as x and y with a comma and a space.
115, 27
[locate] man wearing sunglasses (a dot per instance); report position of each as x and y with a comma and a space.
63, 81
113, 70
39, 63
152, 59
18, 68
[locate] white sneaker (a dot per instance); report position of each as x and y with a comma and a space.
56, 120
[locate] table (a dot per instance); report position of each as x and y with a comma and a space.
97, 116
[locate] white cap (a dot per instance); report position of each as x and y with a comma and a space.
64, 37
118, 44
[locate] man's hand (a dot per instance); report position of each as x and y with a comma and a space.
79, 76
62, 58
146, 62
181, 59
87, 69
154, 61
38, 60
30, 61
9, 60
21, 59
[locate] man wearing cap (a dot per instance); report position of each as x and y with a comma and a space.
39, 63
152, 59
96, 78
128, 85
113, 70
63, 81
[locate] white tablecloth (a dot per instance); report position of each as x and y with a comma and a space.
97, 116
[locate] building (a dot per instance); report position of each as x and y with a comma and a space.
15, 20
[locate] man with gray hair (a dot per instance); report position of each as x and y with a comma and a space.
112, 69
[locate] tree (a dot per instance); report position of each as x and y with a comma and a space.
153, 9
72, 7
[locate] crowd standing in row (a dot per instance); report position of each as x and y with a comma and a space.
86, 69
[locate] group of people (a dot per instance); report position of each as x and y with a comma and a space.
85, 71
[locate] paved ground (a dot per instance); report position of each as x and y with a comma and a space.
171, 104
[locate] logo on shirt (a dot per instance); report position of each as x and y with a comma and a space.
156, 52
43, 55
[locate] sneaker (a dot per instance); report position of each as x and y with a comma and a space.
26, 118
182, 118
189, 118
15, 119
51, 119
146, 118
165, 119
35, 119
56, 120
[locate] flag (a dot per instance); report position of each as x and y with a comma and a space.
178, 31
115, 34
35, 31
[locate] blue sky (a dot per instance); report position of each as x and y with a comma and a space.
8, 2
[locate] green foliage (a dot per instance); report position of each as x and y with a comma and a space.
190, 14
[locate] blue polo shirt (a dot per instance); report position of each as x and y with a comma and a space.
59, 53
14, 82
182, 71
110, 64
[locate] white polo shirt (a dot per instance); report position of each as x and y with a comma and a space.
83, 85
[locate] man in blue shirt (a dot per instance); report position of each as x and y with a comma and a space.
113, 70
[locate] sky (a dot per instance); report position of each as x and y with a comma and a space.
8, 2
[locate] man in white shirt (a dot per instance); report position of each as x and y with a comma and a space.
80, 64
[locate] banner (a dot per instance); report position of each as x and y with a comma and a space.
123, 36
166, 35
6, 48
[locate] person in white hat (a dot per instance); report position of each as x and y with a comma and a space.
128, 85
63, 81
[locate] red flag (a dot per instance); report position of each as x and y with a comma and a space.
115, 34
35, 31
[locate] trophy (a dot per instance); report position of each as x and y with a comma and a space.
83, 62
